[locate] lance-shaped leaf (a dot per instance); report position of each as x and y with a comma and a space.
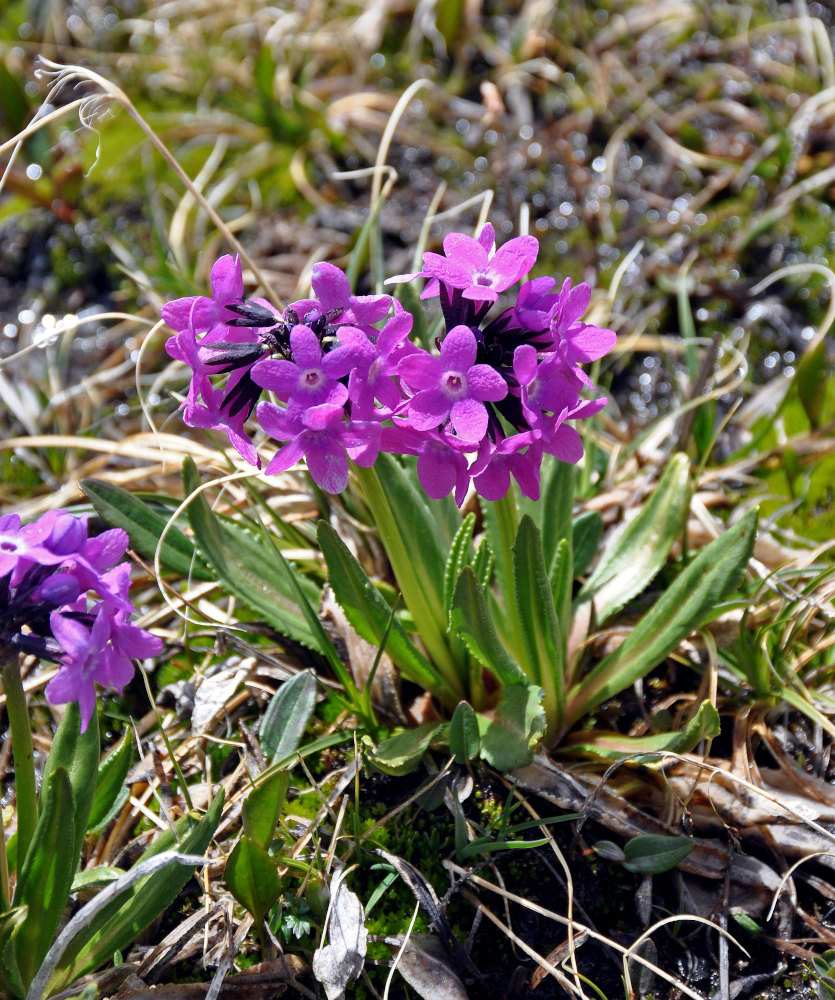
634, 555
402, 752
654, 853
470, 617
119, 923
78, 754
464, 740
145, 525
110, 780
45, 878
245, 569
368, 612
341, 960
510, 733
587, 532
687, 603
615, 746
287, 716
263, 806
252, 878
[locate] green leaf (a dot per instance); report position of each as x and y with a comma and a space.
95, 878
587, 532
654, 853
615, 746
609, 851
11, 983
78, 754
459, 557
242, 566
510, 734
483, 564
145, 525
637, 552
553, 512
43, 885
689, 601
470, 617
402, 753
287, 716
263, 806
464, 741
110, 780
369, 613
811, 378
252, 877
120, 923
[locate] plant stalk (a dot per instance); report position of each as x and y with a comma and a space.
26, 799
425, 606
507, 522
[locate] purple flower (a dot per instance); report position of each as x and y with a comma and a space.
200, 312
544, 385
474, 267
372, 377
214, 413
441, 463
576, 342
497, 461
100, 653
452, 386
333, 292
64, 597
310, 378
321, 436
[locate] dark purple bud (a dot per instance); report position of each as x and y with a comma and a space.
57, 590
67, 536
252, 314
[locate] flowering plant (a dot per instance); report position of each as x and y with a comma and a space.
64, 598
352, 384
493, 628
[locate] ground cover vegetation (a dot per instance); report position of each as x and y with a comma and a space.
417, 499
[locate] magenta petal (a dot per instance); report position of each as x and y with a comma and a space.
286, 456
227, 281
458, 350
276, 421
465, 251
280, 377
328, 465
469, 418
331, 286
592, 342
307, 352
514, 259
420, 370
487, 237
428, 409
574, 303
485, 382
524, 363
114, 669
566, 444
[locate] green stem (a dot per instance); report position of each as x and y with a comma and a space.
507, 523
423, 602
24, 757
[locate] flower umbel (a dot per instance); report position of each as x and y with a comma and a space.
64, 597
501, 391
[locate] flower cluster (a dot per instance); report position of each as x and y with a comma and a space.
64, 597
499, 394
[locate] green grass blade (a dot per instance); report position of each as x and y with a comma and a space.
638, 552
685, 605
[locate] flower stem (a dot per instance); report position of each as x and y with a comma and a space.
507, 523
424, 604
22, 750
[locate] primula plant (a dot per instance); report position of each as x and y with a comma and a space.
64, 598
496, 397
